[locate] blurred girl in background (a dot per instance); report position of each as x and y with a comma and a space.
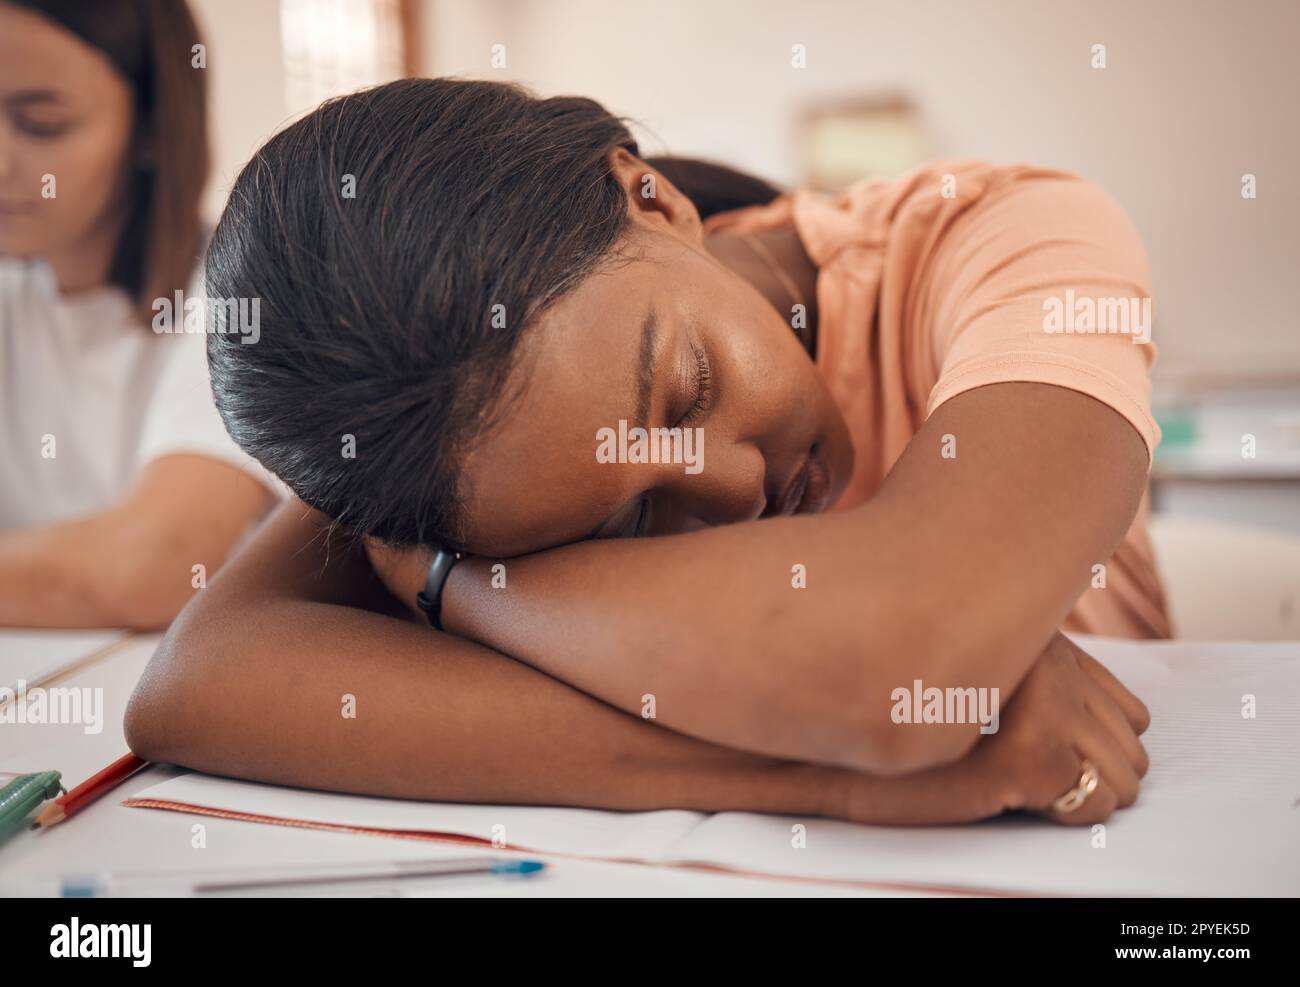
120, 490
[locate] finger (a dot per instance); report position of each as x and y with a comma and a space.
1099, 746
1133, 707
1056, 769
1096, 808
1104, 710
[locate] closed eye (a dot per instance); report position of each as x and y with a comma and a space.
638, 520
41, 128
703, 381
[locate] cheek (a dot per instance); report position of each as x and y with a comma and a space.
770, 364
89, 168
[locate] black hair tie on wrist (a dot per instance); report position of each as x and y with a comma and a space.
430, 598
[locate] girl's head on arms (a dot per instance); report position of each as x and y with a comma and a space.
103, 144
460, 285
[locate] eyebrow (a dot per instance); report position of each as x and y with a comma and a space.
645, 367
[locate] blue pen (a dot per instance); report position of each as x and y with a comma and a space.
104, 885
443, 868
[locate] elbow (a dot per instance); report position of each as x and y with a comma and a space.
140, 727
907, 748
881, 747
897, 729
199, 691
145, 723
870, 739
944, 704
161, 717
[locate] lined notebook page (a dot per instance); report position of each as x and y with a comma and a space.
1218, 813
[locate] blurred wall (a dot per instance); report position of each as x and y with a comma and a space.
1195, 93
245, 85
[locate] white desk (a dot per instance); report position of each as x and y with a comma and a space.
109, 837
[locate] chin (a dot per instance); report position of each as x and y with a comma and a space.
13, 243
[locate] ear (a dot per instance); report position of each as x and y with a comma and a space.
652, 198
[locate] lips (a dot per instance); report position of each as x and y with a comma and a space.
816, 491
807, 491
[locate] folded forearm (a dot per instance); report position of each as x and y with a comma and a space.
265, 696
711, 631
252, 678
441, 719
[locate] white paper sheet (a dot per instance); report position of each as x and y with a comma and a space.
1219, 812
36, 656
583, 832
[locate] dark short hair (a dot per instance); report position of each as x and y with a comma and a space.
149, 43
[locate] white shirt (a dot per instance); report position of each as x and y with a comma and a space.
89, 394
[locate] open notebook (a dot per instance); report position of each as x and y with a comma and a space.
1219, 812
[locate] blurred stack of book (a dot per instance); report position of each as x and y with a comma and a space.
1230, 452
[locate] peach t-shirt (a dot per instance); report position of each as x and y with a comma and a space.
935, 283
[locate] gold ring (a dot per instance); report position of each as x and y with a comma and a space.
1077, 795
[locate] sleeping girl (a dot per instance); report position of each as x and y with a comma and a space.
907, 481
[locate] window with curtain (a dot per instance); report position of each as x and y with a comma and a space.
338, 46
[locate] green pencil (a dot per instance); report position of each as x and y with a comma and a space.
20, 797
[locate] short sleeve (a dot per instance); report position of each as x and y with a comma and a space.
182, 416
1044, 280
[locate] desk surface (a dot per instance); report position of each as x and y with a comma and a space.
107, 837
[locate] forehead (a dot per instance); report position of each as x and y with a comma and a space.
42, 63
532, 480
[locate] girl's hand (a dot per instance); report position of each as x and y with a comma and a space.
1067, 709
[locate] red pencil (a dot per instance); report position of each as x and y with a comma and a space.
89, 790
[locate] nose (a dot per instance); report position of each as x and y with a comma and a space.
729, 487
